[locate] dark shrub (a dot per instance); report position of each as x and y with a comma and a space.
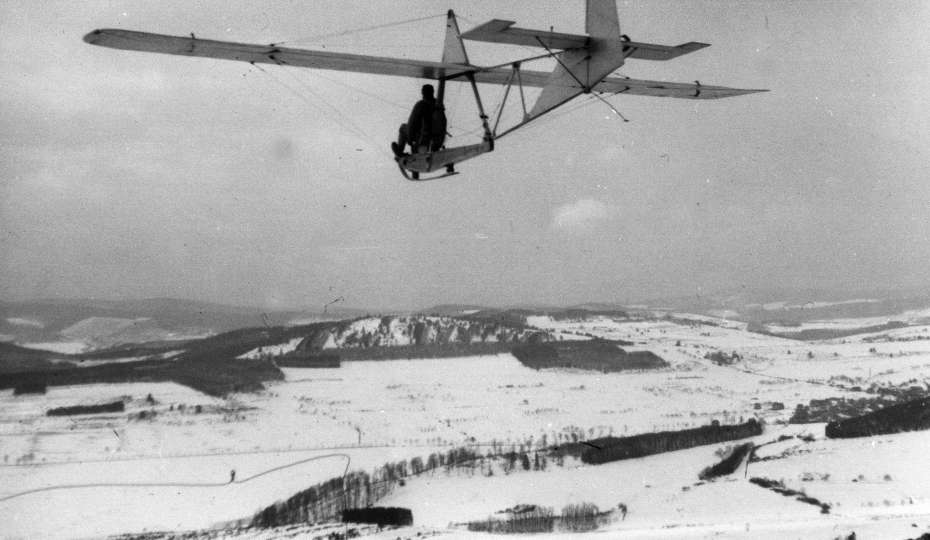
608, 449
911, 416
596, 354
729, 464
116, 406
309, 361
521, 519
381, 515
29, 388
580, 517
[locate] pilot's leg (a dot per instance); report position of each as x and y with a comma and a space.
403, 138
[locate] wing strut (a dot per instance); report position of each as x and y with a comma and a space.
514, 75
488, 136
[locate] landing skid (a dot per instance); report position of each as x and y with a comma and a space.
413, 165
414, 176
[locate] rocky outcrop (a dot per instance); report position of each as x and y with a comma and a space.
396, 331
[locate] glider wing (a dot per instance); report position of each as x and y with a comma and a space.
622, 85
637, 87
271, 54
422, 69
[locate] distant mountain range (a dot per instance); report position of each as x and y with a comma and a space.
104, 323
796, 305
84, 325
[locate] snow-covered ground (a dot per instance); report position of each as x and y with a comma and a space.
382, 411
915, 317
272, 350
22, 321
63, 347
665, 497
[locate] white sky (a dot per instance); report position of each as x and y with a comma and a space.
127, 174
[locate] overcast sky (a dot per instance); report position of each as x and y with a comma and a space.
129, 175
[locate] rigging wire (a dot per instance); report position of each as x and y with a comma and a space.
339, 117
609, 104
349, 124
360, 91
319, 37
456, 111
549, 118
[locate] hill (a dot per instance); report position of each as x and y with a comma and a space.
98, 324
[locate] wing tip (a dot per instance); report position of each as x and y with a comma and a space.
732, 92
92, 36
693, 46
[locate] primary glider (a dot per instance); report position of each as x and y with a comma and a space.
584, 64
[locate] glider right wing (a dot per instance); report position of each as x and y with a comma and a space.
622, 85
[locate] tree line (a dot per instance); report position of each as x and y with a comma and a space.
606, 449
910, 416
530, 518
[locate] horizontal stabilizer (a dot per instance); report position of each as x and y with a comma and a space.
651, 51
500, 31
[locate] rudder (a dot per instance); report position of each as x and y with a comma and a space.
453, 51
601, 20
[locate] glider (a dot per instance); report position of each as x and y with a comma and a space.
583, 65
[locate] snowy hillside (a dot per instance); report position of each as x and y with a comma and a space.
392, 331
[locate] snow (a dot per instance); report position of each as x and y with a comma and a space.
272, 350
665, 498
21, 321
93, 327
381, 411
88, 511
776, 306
912, 317
123, 360
63, 347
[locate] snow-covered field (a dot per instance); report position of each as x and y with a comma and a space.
63, 347
915, 317
272, 351
382, 411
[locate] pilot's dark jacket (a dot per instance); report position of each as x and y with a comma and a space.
420, 124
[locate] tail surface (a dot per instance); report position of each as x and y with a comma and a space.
453, 51
601, 21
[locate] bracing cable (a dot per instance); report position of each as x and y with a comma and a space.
319, 37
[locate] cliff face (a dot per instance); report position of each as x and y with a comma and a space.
416, 330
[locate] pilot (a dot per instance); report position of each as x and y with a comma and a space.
425, 127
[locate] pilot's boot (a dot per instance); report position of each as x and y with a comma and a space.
399, 146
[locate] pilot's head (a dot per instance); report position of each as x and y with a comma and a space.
427, 91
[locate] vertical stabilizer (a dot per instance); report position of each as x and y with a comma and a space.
579, 70
453, 51
601, 20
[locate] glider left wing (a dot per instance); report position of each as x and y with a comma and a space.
271, 54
